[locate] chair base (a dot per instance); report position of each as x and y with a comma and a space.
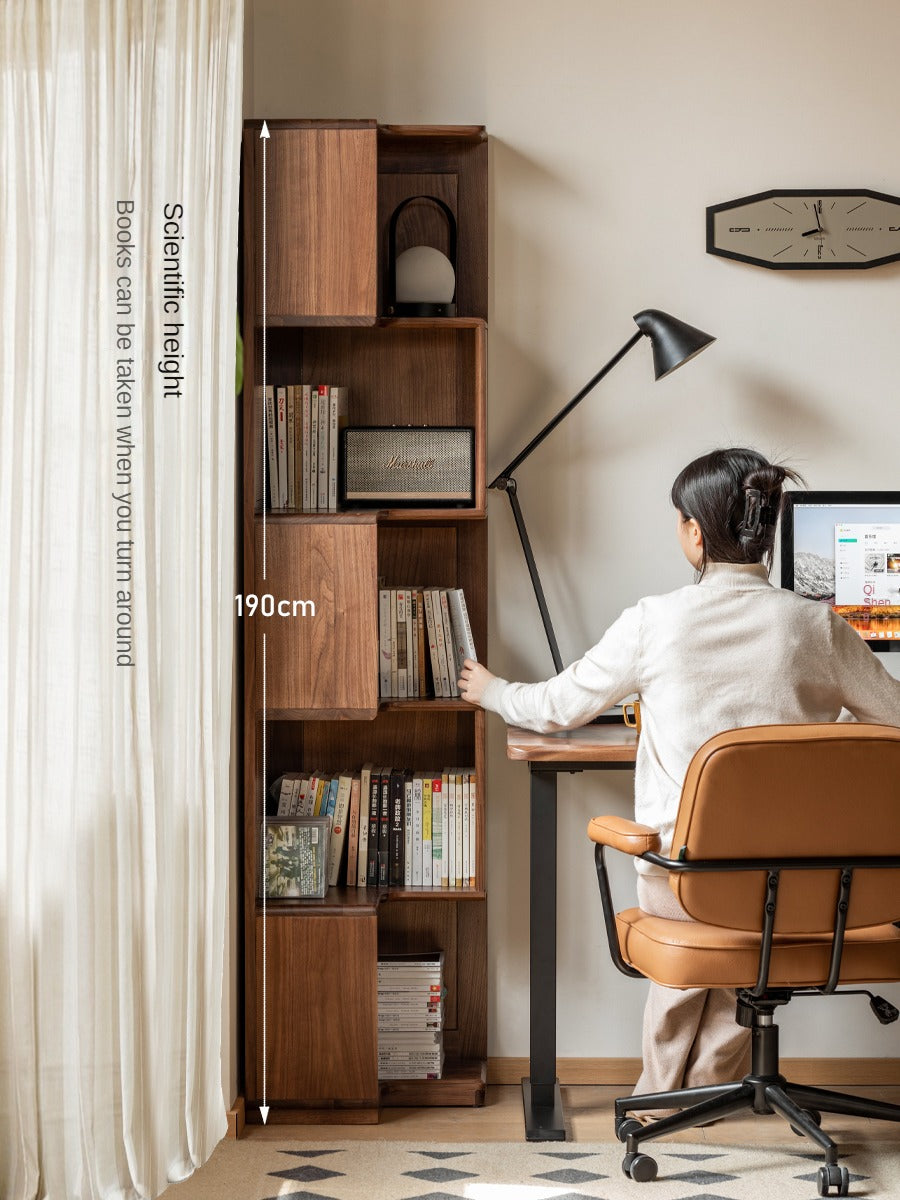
764, 1091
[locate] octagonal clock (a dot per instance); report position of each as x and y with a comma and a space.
807, 230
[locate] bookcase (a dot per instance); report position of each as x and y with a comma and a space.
312, 699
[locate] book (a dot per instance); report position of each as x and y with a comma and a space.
395, 843
374, 827
384, 643
281, 442
431, 635
295, 857
341, 788
427, 832
416, 842
408, 802
353, 832
291, 446
338, 418
365, 784
412, 656
402, 644
322, 471
305, 434
272, 444
440, 637
473, 826
463, 641
453, 666
314, 449
384, 827
421, 648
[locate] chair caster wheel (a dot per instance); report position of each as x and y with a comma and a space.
639, 1167
626, 1126
833, 1176
814, 1115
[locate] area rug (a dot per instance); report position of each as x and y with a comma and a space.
387, 1170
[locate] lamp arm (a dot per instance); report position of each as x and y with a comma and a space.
564, 412
509, 486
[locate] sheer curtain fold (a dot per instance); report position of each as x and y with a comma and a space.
119, 168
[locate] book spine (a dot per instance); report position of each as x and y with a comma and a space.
281, 431
427, 835
374, 828
395, 687
473, 826
452, 665
291, 446
365, 784
314, 449
339, 415
384, 643
464, 854
458, 828
420, 645
408, 848
272, 441
341, 789
395, 846
322, 475
353, 833
402, 645
462, 630
434, 788
412, 658
417, 838
441, 643
431, 632
384, 828
305, 435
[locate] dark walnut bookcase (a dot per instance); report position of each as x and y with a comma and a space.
330, 189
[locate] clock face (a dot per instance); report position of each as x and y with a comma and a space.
807, 230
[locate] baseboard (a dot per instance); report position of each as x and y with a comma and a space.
235, 1116
624, 1072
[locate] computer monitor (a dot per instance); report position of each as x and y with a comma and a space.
843, 549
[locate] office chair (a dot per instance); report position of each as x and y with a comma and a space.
786, 855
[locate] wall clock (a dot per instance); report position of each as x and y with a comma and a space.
807, 230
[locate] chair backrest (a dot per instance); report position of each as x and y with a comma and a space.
791, 791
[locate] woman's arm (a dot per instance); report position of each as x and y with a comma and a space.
607, 673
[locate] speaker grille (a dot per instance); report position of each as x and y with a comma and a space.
416, 466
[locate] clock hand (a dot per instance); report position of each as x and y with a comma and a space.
810, 232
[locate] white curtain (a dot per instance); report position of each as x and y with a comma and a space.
119, 145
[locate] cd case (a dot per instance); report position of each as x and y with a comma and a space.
294, 861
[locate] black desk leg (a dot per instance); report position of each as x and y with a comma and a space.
544, 1119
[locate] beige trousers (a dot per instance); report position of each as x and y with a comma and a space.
690, 1036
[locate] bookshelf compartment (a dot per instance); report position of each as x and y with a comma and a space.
396, 373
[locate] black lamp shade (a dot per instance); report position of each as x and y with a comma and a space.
673, 341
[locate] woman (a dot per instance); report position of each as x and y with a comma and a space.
729, 651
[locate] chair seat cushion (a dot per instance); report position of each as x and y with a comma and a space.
683, 954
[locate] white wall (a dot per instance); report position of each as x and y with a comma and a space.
613, 126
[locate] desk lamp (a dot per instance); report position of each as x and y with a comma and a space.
673, 343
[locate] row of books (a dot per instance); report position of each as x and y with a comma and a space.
424, 636
390, 826
411, 1016
303, 430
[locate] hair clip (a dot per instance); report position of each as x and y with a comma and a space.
753, 513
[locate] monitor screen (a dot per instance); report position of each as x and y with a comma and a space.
843, 549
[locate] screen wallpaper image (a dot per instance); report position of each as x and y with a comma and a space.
848, 556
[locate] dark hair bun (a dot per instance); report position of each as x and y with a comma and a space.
766, 479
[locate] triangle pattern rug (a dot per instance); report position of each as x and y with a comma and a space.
388, 1170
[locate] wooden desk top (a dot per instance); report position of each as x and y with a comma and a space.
591, 743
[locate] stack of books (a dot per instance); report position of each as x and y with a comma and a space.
411, 1015
424, 636
303, 431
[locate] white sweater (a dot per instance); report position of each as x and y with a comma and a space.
727, 652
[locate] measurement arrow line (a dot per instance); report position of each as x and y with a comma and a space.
264, 1108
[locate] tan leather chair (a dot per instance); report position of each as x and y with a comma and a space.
786, 854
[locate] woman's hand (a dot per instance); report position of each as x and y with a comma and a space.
473, 679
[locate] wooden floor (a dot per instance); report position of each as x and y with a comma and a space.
589, 1117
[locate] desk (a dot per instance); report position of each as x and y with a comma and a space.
591, 748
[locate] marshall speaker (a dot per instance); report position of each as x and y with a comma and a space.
405, 466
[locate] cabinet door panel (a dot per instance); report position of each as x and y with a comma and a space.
321, 1025
325, 664
321, 211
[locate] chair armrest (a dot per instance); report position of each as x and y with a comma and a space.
622, 834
